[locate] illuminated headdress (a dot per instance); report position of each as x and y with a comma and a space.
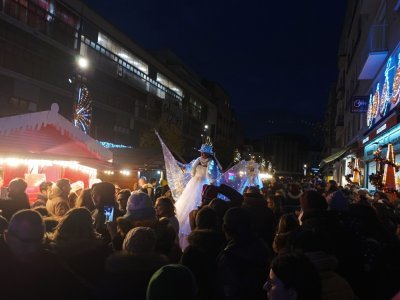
207, 147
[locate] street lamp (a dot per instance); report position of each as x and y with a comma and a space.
305, 169
82, 62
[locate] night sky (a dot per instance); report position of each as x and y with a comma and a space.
276, 59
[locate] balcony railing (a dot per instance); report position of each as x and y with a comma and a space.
130, 68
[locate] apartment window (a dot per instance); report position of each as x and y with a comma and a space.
195, 108
169, 84
127, 56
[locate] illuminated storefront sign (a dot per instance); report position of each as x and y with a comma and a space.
386, 94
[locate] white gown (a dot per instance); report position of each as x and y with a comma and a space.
189, 200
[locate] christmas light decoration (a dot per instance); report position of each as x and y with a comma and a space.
375, 102
384, 100
112, 145
236, 156
83, 109
369, 112
74, 165
396, 84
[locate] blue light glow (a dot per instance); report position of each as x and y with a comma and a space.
113, 146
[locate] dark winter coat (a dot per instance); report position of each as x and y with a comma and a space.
201, 258
243, 269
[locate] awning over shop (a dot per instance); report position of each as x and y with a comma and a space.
335, 156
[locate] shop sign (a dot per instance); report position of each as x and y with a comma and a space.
359, 104
380, 129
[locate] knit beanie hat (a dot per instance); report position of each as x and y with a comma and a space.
139, 207
140, 240
172, 282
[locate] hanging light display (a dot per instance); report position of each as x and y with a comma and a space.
83, 109
384, 100
369, 112
396, 84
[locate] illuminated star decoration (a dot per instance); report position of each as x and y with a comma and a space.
83, 109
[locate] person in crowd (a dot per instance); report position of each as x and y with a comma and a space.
106, 208
85, 200
242, 265
145, 187
24, 261
122, 199
123, 226
293, 277
166, 209
167, 240
208, 193
76, 190
172, 282
140, 210
220, 207
275, 204
205, 243
287, 225
161, 189
17, 198
316, 247
153, 185
292, 201
363, 197
79, 245
58, 204
43, 196
132, 267
262, 217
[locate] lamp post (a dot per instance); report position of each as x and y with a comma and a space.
305, 169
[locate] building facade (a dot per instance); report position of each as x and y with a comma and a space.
366, 89
110, 87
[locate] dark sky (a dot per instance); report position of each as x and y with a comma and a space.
276, 59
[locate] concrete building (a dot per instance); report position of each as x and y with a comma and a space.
113, 89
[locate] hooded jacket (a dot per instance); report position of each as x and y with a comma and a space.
57, 204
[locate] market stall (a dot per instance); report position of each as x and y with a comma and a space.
45, 146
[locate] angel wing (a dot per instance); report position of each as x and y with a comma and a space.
178, 174
235, 177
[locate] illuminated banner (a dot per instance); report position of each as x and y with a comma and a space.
359, 104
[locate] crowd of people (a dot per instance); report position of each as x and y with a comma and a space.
285, 240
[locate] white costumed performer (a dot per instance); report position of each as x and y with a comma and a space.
204, 170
